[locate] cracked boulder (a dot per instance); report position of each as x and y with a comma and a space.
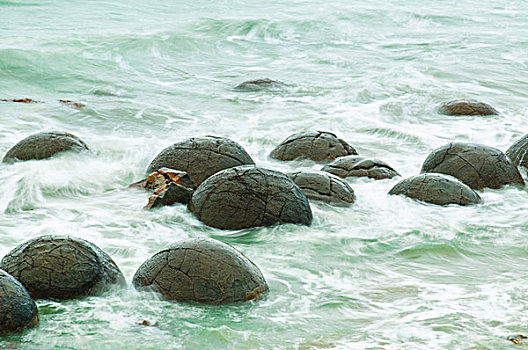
248, 196
258, 84
518, 152
324, 187
61, 267
436, 189
44, 145
319, 146
466, 107
17, 310
355, 166
201, 157
201, 270
168, 186
478, 166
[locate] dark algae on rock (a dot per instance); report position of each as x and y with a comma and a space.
202, 270
324, 187
17, 310
355, 166
466, 107
518, 152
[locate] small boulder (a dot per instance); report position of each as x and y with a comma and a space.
436, 189
44, 145
319, 146
201, 157
324, 187
354, 166
61, 267
478, 166
466, 107
17, 310
202, 270
248, 196
258, 84
169, 186
518, 152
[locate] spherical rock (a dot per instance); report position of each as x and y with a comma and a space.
319, 146
61, 267
466, 107
476, 165
354, 166
17, 309
324, 187
248, 196
258, 84
436, 189
201, 157
44, 145
202, 270
518, 152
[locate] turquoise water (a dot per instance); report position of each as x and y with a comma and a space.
386, 273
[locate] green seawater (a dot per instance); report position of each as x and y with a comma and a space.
385, 273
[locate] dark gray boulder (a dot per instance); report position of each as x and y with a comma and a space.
248, 196
478, 166
44, 145
61, 267
466, 107
201, 157
518, 152
258, 84
17, 310
436, 189
201, 270
324, 187
355, 166
319, 146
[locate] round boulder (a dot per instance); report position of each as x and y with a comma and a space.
518, 152
466, 107
247, 196
478, 166
44, 145
201, 157
354, 166
201, 270
17, 309
319, 146
61, 267
436, 189
324, 187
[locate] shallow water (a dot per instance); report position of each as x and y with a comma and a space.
386, 273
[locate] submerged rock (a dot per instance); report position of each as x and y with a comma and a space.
518, 152
355, 166
202, 270
466, 107
169, 187
17, 310
324, 187
61, 267
258, 84
248, 196
478, 166
319, 146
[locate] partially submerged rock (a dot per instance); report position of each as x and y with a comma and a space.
20, 100
466, 107
71, 103
478, 166
324, 187
169, 186
355, 166
17, 310
44, 145
258, 84
248, 196
61, 267
202, 270
319, 146
518, 152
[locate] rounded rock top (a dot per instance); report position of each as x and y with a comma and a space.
518, 152
466, 107
202, 270
324, 187
258, 84
355, 166
249, 196
17, 310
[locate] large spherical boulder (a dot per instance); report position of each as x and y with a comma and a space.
476, 165
466, 107
355, 166
248, 196
44, 145
436, 189
61, 267
324, 187
202, 270
201, 157
319, 146
518, 152
17, 309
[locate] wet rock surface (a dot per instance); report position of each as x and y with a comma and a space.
518, 152
436, 189
324, 187
202, 270
201, 157
258, 84
248, 196
61, 267
17, 310
44, 145
355, 166
319, 146
169, 187
466, 107
478, 166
